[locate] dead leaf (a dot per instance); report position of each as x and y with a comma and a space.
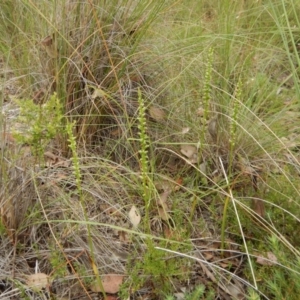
111, 284
190, 152
203, 168
164, 184
208, 255
162, 199
212, 127
54, 179
7, 213
49, 45
185, 130
245, 166
163, 206
259, 207
123, 236
38, 96
200, 112
62, 162
134, 216
50, 155
157, 114
7, 140
179, 184
168, 184
269, 260
235, 291
54, 160
224, 265
116, 132
206, 271
38, 281
193, 160
180, 296
163, 214
168, 233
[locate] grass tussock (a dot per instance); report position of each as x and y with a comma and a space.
149, 143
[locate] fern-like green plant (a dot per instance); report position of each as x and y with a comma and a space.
40, 123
